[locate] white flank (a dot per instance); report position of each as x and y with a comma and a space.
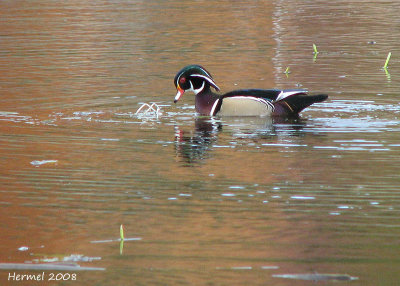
245, 106
266, 102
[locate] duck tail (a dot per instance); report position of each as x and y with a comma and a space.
296, 103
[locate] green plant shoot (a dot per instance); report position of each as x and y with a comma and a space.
315, 49
387, 60
121, 232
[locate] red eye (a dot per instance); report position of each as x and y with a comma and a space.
182, 80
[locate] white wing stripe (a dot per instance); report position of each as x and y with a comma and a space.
288, 93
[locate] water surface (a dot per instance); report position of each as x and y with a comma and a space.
203, 201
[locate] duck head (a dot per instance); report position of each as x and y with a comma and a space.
193, 78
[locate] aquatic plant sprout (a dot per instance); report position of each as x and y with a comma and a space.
121, 244
315, 52
121, 232
149, 110
315, 49
387, 60
121, 235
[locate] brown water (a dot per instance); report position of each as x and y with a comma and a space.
205, 202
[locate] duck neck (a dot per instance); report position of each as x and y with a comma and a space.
205, 100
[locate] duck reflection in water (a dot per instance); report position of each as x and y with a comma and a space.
195, 146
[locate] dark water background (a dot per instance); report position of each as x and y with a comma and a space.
213, 202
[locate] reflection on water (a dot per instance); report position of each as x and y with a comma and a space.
193, 145
202, 200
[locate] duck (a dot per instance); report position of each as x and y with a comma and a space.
243, 102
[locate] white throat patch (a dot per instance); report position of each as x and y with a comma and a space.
196, 91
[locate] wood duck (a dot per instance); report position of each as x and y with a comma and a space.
244, 102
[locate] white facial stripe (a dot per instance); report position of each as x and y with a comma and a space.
196, 91
205, 72
179, 77
206, 78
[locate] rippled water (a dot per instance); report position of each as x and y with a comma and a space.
203, 201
